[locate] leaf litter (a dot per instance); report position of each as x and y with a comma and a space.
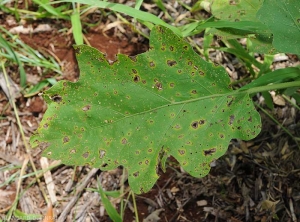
266, 165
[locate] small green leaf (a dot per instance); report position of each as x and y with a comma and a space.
76, 28
236, 10
24, 216
111, 211
283, 19
138, 110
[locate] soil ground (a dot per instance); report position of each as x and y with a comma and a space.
257, 180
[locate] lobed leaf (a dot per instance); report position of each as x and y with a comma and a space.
283, 19
139, 110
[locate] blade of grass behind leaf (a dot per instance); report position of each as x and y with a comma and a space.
76, 28
144, 16
111, 211
4, 44
51, 9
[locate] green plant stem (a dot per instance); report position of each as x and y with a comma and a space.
278, 123
291, 102
135, 207
271, 87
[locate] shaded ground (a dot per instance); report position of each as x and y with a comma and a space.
256, 180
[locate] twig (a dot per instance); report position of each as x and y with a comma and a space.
12, 100
79, 190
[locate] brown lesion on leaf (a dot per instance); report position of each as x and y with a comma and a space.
102, 153
152, 64
85, 155
230, 101
194, 91
177, 126
86, 108
221, 136
134, 71
231, 119
72, 151
250, 119
46, 125
171, 62
133, 58
201, 121
124, 141
171, 84
158, 85
136, 174
171, 48
181, 152
194, 124
136, 78
147, 162
56, 98
209, 152
201, 73
66, 139
144, 81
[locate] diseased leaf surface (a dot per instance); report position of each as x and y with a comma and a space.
283, 19
139, 110
236, 10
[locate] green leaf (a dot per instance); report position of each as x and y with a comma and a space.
127, 10
76, 28
277, 76
138, 110
111, 211
283, 19
236, 10
24, 216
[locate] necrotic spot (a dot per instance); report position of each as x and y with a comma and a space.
134, 71
86, 108
102, 153
210, 152
56, 98
194, 125
136, 78
152, 64
231, 119
136, 174
66, 139
171, 62
124, 141
181, 152
85, 155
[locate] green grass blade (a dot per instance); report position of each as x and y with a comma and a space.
76, 28
6, 46
51, 9
144, 16
111, 211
